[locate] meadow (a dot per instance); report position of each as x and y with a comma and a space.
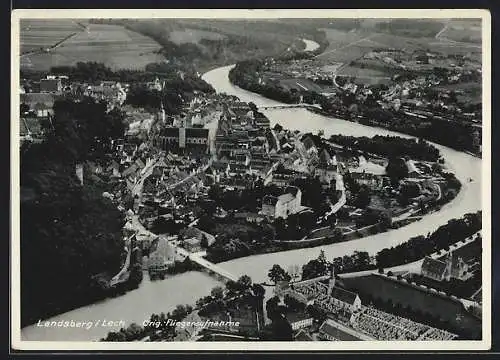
463, 31
113, 45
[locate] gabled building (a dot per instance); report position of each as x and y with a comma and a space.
446, 268
283, 205
326, 169
181, 139
299, 320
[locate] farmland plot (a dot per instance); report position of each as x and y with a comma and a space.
112, 45
37, 34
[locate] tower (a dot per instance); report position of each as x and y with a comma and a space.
449, 264
331, 281
161, 113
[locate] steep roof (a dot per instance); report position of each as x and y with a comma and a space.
433, 266
197, 132
324, 157
303, 336
219, 165
295, 317
328, 328
170, 132
33, 98
343, 295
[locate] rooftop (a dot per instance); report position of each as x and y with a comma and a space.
343, 295
433, 266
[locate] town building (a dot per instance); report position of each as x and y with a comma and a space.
181, 139
323, 292
39, 104
451, 266
299, 320
161, 257
283, 205
51, 85
326, 168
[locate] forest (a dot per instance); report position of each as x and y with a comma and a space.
69, 232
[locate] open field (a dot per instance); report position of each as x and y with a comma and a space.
36, 34
112, 45
346, 46
466, 30
193, 36
300, 84
365, 76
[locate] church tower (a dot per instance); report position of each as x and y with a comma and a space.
161, 114
331, 281
449, 264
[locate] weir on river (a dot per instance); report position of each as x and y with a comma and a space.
163, 296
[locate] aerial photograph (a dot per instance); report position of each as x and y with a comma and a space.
251, 179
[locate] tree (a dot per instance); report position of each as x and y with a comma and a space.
217, 293
24, 108
281, 330
322, 257
363, 197
258, 290
244, 282
385, 220
277, 273
396, 169
272, 307
313, 269
204, 241
179, 313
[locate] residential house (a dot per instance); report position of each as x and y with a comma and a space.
50, 85
299, 320
283, 205
40, 104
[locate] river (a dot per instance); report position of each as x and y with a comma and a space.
310, 45
155, 297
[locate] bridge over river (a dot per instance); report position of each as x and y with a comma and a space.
288, 106
209, 267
